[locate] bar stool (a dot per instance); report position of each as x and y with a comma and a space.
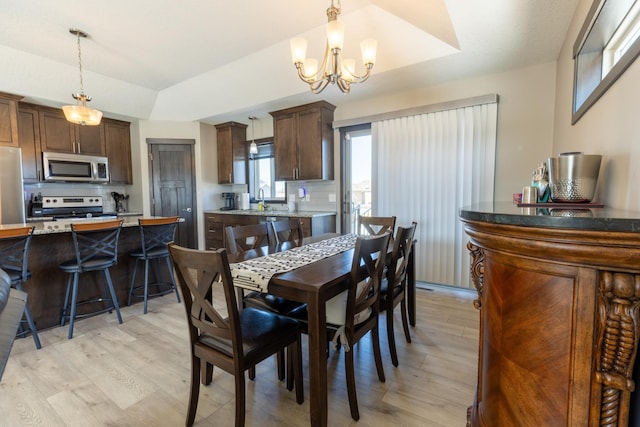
96, 248
155, 233
14, 257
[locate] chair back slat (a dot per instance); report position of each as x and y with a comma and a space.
376, 225
402, 247
96, 240
246, 237
14, 250
198, 272
288, 231
155, 233
366, 276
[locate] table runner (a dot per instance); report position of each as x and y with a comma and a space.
255, 273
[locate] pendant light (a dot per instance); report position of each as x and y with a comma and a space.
253, 147
81, 114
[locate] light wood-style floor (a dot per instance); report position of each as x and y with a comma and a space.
137, 373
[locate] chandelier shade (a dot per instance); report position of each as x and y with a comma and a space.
81, 114
333, 69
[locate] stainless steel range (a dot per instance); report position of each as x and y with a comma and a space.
65, 207
61, 211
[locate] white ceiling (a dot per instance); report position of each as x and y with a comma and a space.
214, 60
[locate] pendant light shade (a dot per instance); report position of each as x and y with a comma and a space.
81, 114
253, 147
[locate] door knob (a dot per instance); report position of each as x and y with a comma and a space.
186, 210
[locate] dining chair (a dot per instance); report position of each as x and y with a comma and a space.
246, 237
14, 260
288, 232
352, 314
375, 225
394, 285
262, 235
155, 233
233, 340
253, 236
96, 249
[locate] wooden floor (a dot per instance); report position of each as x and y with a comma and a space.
137, 373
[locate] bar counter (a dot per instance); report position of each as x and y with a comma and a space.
559, 302
50, 246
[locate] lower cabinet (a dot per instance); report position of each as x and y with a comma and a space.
215, 224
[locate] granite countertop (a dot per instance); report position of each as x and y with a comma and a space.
300, 214
574, 217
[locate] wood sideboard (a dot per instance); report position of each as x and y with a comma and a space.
559, 303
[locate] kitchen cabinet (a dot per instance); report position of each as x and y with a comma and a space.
9, 119
231, 137
215, 224
118, 149
29, 141
59, 135
303, 142
214, 231
112, 138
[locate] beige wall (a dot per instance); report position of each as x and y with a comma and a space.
611, 127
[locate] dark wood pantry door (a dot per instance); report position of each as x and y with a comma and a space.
172, 184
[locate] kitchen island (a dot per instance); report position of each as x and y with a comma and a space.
559, 303
51, 245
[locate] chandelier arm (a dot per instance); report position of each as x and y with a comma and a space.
344, 85
319, 86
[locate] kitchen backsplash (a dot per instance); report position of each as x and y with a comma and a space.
66, 189
321, 195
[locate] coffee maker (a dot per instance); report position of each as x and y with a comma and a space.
229, 201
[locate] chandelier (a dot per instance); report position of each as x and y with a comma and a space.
81, 114
334, 69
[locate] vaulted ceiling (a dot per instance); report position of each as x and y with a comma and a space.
213, 60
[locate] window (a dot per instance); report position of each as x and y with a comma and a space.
262, 174
607, 44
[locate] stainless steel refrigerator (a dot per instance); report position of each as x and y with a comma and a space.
11, 192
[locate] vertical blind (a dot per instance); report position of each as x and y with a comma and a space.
428, 167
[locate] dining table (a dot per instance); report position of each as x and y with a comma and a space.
315, 283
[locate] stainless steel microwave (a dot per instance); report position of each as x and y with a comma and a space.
74, 167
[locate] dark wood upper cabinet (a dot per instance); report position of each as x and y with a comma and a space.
118, 144
303, 142
29, 139
231, 138
42, 128
9, 119
59, 135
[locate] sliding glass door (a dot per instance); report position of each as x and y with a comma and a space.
356, 172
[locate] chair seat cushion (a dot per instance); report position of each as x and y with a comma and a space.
96, 263
271, 303
259, 329
158, 252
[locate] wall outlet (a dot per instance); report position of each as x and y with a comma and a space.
307, 198
332, 197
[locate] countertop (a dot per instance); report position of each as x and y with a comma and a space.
300, 214
51, 227
580, 217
